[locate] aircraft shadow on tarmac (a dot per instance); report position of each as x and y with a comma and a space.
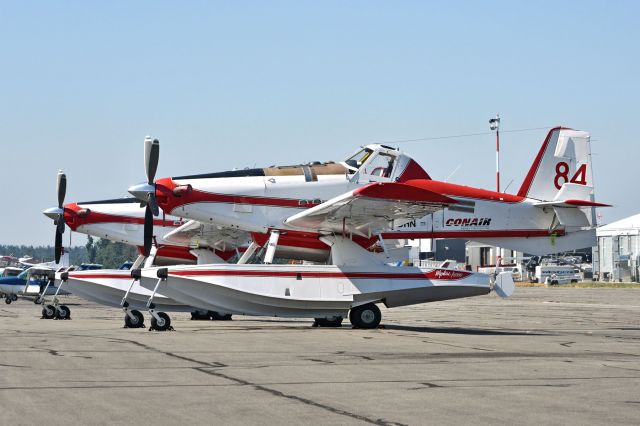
459, 330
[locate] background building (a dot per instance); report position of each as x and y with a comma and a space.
617, 256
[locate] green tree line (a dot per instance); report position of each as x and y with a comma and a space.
104, 252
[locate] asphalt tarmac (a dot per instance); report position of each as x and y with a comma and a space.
545, 356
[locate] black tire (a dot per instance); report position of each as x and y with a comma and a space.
7, 300
163, 325
200, 315
14, 297
136, 322
37, 300
215, 316
63, 312
365, 316
329, 322
48, 312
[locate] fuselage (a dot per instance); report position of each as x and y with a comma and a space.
122, 220
260, 200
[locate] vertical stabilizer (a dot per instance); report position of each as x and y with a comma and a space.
565, 157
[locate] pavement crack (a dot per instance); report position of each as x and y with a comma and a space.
322, 361
212, 368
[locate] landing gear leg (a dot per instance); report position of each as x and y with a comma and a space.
132, 317
62, 311
48, 311
160, 321
365, 316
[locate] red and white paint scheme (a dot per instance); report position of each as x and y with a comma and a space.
381, 188
122, 220
353, 284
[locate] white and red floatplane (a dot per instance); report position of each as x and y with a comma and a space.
340, 214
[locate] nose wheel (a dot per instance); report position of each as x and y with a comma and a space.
48, 312
133, 319
160, 321
63, 312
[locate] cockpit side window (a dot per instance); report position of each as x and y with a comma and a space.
381, 166
358, 158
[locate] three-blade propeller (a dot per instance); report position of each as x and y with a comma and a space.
146, 192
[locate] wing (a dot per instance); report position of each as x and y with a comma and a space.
370, 209
196, 234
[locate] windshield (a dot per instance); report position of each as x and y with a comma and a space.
358, 158
23, 275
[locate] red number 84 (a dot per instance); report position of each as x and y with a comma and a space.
562, 173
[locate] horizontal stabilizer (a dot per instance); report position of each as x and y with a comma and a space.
573, 195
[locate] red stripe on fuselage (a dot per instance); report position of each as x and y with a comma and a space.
168, 201
94, 217
514, 233
81, 276
439, 274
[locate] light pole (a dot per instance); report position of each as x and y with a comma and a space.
494, 124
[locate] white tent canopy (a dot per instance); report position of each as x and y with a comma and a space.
626, 226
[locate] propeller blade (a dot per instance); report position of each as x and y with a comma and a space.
58, 246
153, 204
151, 158
60, 224
148, 230
62, 187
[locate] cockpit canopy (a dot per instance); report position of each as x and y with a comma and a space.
376, 163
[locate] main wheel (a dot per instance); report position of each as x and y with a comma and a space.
14, 297
215, 316
199, 315
8, 300
365, 316
136, 322
48, 312
163, 324
329, 322
63, 312
37, 300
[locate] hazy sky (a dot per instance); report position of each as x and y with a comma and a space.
243, 83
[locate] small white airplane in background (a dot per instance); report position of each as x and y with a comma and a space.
309, 211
